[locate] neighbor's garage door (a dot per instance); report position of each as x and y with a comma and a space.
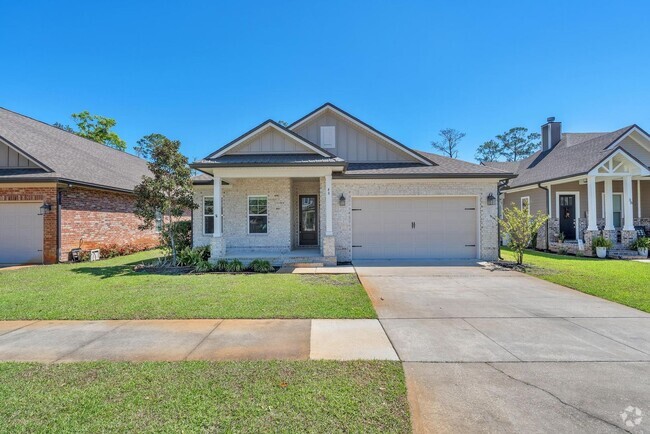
21, 233
414, 227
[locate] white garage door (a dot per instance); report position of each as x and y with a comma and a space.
21, 233
414, 227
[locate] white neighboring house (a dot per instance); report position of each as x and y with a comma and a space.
330, 187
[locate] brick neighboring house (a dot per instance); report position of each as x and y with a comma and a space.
59, 191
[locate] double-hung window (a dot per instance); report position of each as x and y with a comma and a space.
257, 214
208, 215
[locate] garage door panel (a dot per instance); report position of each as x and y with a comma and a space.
414, 227
21, 233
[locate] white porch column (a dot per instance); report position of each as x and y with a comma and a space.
638, 198
328, 206
628, 206
609, 205
216, 200
591, 202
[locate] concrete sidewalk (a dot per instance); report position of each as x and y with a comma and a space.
199, 339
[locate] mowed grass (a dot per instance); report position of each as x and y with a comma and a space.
270, 396
625, 282
110, 289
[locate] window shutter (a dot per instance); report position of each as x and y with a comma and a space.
328, 137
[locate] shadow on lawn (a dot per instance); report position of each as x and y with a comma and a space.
107, 271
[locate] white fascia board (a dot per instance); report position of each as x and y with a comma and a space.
642, 169
626, 135
273, 172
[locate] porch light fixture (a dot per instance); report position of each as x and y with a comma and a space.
45, 208
342, 200
491, 200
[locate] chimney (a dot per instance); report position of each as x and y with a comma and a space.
551, 133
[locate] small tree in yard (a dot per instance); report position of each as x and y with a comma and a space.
169, 191
521, 228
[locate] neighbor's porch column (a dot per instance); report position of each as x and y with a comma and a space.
216, 201
328, 206
628, 206
609, 205
591, 203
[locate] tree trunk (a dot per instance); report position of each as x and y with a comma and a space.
172, 241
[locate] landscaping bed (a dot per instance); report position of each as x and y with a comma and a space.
111, 289
269, 396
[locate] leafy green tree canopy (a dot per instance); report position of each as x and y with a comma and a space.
513, 145
96, 128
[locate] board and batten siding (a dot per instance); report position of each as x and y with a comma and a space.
12, 159
270, 142
353, 144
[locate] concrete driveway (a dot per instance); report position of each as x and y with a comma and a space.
499, 351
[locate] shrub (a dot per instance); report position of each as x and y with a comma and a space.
260, 266
601, 242
520, 227
182, 235
640, 243
203, 266
221, 265
235, 266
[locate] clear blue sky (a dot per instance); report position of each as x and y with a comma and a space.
205, 72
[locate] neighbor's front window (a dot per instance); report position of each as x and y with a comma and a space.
257, 214
208, 215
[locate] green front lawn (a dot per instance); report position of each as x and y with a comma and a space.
110, 289
624, 282
309, 396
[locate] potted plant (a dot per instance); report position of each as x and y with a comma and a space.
561, 237
601, 244
641, 245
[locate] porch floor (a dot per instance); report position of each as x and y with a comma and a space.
275, 256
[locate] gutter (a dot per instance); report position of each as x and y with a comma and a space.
548, 212
502, 183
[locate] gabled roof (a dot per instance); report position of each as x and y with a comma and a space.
261, 127
576, 154
363, 125
66, 157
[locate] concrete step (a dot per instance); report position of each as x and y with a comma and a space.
623, 254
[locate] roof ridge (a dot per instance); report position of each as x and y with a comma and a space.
70, 132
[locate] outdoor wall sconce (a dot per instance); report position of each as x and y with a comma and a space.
45, 208
342, 200
491, 200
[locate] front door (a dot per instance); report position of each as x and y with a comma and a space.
308, 220
568, 216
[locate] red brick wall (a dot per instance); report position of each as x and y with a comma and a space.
45, 194
97, 217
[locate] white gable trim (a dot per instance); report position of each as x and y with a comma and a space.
613, 171
362, 126
626, 135
261, 129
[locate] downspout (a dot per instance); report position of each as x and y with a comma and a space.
59, 195
548, 212
500, 184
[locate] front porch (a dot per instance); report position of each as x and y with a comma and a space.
278, 258
610, 201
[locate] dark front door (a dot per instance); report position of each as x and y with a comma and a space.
568, 216
308, 220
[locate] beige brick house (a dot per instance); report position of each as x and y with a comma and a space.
59, 191
330, 188
589, 184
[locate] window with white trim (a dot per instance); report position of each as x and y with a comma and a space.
208, 215
524, 203
328, 137
258, 216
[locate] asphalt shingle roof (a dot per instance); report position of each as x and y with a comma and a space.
575, 154
67, 156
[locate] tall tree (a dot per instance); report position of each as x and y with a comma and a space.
96, 128
448, 144
169, 191
488, 151
518, 144
513, 145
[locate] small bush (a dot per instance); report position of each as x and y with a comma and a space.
182, 235
601, 242
260, 266
640, 243
235, 266
203, 267
221, 265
